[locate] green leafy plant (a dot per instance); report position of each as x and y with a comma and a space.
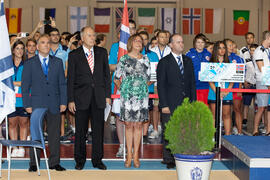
190, 129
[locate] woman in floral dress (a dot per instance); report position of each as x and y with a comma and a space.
132, 76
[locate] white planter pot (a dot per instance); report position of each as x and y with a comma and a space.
191, 167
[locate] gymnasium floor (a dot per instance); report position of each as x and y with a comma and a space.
151, 167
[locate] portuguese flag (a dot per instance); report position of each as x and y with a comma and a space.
241, 21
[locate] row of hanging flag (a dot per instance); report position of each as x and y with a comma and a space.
146, 17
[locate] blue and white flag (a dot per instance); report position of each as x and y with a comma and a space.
78, 18
168, 19
7, 93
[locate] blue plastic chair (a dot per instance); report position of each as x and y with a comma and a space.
36, 129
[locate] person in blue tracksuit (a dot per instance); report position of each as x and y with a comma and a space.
199, 55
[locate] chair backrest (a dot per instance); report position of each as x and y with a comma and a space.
36, 125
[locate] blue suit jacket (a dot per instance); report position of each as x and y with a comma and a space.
49, 93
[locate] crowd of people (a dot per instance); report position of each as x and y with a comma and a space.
74, 77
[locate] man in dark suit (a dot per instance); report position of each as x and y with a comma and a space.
43, 77
175, 81
89, 89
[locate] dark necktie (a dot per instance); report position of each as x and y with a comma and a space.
45, 67
180, 64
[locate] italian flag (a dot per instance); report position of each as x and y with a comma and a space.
241, 21
147, 18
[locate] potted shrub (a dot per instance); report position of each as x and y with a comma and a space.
190, 133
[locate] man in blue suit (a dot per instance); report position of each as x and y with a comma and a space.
43, 77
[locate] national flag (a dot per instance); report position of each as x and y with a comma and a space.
14, 20
119, 15
124, 35
78, 18
212, 21
168, 19
240, 67
102, 19
45, 14
146, 18
241, 22
7, 93
191, 18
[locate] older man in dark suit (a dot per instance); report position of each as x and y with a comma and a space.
175, 81
43, 77
89, 89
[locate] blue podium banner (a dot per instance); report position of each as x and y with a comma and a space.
222, 72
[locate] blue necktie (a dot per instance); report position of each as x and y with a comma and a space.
180, 64
45, 67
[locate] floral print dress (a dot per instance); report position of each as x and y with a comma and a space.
134, 74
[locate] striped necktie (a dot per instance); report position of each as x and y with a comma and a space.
90, 60
180, 64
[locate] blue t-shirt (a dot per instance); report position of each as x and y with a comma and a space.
236, 59
17, 76
61, 53
113, 56
153, 57
197, 59
212, 94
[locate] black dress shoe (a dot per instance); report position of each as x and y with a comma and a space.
100, 165
164, 162
32, 169
170, 165
58, 167
79, 166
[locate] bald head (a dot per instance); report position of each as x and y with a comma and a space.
88, 37
177, 44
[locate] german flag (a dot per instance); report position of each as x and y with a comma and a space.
14, 20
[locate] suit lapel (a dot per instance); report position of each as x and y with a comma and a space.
96, 55
175, 64
39, 67
84, 59
51, 65
185, 65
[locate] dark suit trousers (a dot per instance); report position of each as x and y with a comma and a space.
53, 129
167, 155
97, 124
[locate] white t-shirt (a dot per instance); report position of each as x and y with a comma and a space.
161, 54
250, 68
260, 54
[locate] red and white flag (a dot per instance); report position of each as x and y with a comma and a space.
124, 35
191, 20
212, 21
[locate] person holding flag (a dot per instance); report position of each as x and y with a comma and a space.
7, 92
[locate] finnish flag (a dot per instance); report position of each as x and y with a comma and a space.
7, 93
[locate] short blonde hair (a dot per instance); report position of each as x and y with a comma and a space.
130, 41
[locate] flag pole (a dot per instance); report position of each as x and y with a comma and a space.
6, 136
6, 128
